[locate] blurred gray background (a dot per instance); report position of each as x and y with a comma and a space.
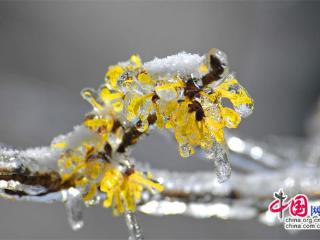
50, 50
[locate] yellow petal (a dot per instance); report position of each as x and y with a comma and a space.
59, 145
112, 75
108, 201
145, 78
97, 123
89, 95
139, 178
230, 117
136, 60
91, 193
111, 180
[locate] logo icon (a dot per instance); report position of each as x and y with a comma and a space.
298, 205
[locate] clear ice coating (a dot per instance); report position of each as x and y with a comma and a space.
244, 110
134, 228
294, 174
218, 155
166, 94
15, 160
18, 187
222, 57
74, 205
185, 150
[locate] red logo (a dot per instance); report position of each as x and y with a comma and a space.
298, 205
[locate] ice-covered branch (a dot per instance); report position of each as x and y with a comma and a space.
184, 94
196, 194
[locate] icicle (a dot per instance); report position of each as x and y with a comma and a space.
134, 228
73, 204
218, 155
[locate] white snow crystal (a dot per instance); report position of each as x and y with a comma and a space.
182, 63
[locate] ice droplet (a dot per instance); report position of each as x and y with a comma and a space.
90, 96
142, 126
186, 150
244, 110
74, 206
124, 81
218, 155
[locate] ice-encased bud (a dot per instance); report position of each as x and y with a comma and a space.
217, 62
142, 126
220, 54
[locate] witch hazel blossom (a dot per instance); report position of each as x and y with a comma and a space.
183, 93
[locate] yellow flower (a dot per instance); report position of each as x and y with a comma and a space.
192, 128
196, 114
123, 190
200, 122
83, 167
132, 98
